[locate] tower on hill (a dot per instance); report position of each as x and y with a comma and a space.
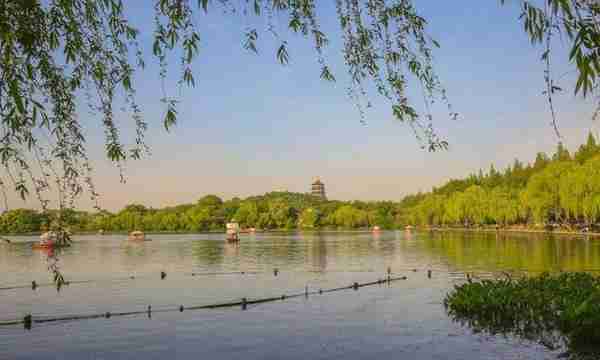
318, 189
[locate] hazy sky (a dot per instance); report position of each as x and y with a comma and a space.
252, 126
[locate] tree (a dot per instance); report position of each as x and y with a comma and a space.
309, 219
587, 150
562, 153
542, 194
349, 217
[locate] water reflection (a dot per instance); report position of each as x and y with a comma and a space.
321, 252
494, 252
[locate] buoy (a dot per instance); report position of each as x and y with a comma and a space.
429, 274
181, 308
306, 291
355, 286
27, 321
163, 275
33, 285
149, 311
107, 315
282, 297
275, 271
244, 303
320, 291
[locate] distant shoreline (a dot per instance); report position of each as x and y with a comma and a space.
514, 230
355, 231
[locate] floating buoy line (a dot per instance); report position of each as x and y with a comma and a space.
29, 320
162, 275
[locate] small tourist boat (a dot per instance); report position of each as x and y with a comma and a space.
376, 229
47, 241
137, 236
233, 231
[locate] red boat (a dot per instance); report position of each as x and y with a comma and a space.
38, 246
47, 241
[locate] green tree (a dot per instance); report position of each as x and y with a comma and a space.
309, 218
349, 217
587, 150
542, 194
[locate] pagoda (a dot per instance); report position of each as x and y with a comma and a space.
318, 189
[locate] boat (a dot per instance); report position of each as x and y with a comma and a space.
248, 231
137, 236
233, 231
376, 229
47, 241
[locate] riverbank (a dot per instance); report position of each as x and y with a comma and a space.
515, 230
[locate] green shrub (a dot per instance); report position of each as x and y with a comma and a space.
556, 310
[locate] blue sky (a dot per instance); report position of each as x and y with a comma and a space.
251, 126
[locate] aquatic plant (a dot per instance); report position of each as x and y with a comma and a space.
560, 310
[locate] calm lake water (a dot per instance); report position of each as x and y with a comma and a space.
403, 320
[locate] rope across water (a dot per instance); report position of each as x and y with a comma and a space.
243, 303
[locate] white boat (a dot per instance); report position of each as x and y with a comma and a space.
233, 231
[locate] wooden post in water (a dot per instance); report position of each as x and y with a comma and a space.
27, 321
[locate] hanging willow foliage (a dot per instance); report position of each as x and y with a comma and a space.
578, 22
53, 51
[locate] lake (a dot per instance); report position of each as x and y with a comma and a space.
404, 319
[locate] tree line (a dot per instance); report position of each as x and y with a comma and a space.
557, 189
274, 210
